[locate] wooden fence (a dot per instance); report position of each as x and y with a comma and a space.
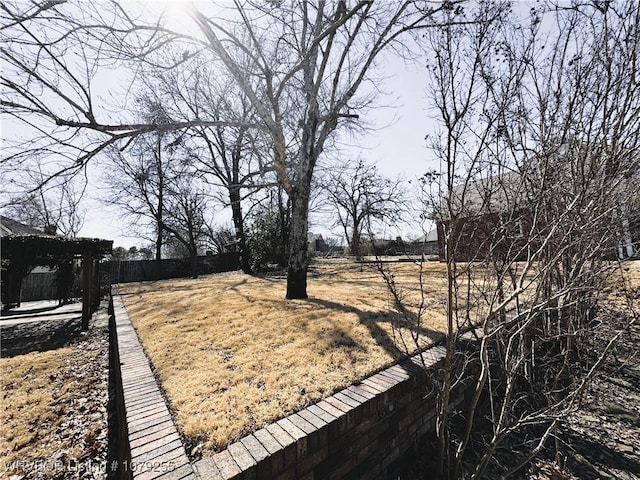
42, 285
39, 286
146, 270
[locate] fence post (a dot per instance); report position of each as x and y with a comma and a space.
87, 290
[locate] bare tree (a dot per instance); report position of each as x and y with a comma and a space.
221, 239
138, 177
307, 64
136, 185
55, 56
537, 144
360, 195
185, 217
304, 68
237, 159
55, 209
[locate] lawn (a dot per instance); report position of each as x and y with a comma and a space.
233, 355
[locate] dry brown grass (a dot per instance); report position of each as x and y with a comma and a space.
54, 410
632, 273
233, 355
624, 292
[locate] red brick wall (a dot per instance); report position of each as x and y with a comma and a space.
356, 433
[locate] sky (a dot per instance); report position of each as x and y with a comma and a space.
396, 143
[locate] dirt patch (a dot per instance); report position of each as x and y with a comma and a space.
602, 439
39, 336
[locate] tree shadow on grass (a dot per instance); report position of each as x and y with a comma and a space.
144, 289
234, 286
39, 336
373, 321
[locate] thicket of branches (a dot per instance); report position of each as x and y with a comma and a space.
538, 150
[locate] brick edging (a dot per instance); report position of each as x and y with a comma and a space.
156, 449
357, 432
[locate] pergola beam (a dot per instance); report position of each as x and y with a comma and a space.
22, 251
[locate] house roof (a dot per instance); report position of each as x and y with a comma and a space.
431, 236
492, 194
312, 237
9, 226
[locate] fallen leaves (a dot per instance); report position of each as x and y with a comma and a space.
53, 423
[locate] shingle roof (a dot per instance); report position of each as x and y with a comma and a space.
8, 226
493, 194
431, 236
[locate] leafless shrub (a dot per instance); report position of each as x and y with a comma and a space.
538, 150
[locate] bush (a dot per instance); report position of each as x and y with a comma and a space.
267, 237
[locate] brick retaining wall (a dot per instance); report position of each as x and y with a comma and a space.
152, 448
118, 450
356, 433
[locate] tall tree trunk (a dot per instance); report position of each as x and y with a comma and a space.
238, 223
193, 254
355, 239
284, 219
297, 268
159, 242
160, 212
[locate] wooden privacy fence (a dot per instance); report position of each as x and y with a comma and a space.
42, 285
122, 271
39, 286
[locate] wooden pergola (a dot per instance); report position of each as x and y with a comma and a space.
20, 253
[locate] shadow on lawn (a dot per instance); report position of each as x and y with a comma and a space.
39, 336
372, 321
157, 286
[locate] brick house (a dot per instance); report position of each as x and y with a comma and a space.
426, 245
488, 216
493, 216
